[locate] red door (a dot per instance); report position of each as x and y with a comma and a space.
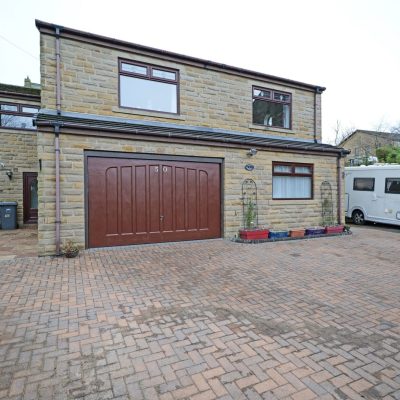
148, 201
30, 188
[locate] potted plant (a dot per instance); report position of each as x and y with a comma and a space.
328, 220
251, 231
70, 249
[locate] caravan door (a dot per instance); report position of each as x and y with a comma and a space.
392, 200
368, 196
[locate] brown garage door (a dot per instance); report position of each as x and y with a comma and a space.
147, 201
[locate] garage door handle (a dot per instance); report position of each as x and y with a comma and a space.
161, 217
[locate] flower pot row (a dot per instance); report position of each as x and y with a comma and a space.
260, 234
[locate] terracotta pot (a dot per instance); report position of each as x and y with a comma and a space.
253, 234
334, 229
297, 233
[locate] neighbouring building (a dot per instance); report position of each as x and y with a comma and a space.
18, 150
140, 145
363, 144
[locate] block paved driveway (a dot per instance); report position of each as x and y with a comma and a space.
214, 319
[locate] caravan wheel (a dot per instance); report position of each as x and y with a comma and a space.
358, 217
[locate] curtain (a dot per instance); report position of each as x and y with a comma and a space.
291, 187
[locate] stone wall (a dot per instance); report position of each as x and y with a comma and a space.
362, 144
272, 213
89, 84
18, 152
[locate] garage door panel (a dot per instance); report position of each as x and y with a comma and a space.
154, 197
180, 207
127, 201
192, 197
203, 199
140, 194
141, 201
167, 196
111, 201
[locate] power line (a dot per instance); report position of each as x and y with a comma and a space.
19, 48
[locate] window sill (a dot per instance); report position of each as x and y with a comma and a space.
270, 128
289, 202
148, 113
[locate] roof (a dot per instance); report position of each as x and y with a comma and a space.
49, 28
387, 135
19, 92
181, 132
374, 166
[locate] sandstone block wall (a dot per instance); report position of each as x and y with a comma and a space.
365, 144
272, 213
18, 151
89, 84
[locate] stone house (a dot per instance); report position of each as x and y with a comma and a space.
141, 145
18, 149
363, 144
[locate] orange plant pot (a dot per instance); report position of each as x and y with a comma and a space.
297, 232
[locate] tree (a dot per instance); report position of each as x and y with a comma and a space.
341, 132
388, 154
395, 129
391, 152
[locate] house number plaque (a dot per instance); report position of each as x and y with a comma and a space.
249, 167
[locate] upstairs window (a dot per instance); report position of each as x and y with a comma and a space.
271, 108
17, 116
292, 181
147, 87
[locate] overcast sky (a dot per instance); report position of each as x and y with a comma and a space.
352, 47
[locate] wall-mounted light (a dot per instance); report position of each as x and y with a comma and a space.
252, 152
9, 173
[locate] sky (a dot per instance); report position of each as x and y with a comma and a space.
351, 47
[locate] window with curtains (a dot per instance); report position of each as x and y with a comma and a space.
292, 181
147, 87
271, 108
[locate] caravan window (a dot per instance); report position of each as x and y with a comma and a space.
392, 185
364, 184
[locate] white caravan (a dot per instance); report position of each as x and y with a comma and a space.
373, 193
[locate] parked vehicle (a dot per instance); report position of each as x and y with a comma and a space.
373, 193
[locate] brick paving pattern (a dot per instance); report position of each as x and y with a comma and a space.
18, 243
311, 319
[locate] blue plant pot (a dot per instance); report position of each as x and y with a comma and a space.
278, 234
